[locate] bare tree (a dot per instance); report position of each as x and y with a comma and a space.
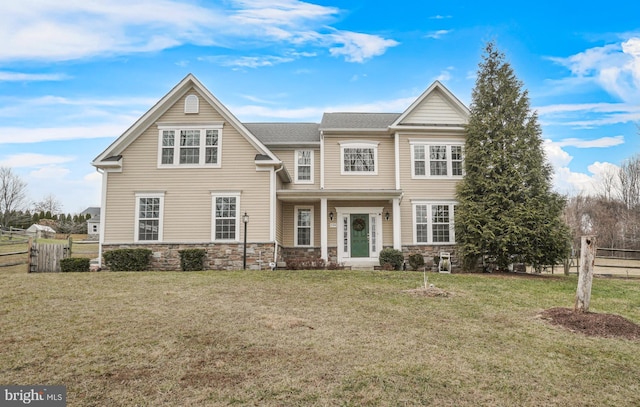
13, 194
629, 175
607, 184
48, 204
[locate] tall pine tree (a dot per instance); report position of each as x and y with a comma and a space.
506, 209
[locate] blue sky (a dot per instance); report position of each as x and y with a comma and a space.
74, 75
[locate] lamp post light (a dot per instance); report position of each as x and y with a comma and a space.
245, 220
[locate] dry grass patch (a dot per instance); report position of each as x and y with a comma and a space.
311, 338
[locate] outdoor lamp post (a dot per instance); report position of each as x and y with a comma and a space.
245, 220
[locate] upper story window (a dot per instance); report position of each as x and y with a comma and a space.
359, 158
436, 160
304, 166
190, 146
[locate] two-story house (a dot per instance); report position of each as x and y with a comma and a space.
185, 174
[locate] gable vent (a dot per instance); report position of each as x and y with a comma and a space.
191, 104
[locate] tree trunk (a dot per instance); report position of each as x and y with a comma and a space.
585, 275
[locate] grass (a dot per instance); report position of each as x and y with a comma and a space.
349, 338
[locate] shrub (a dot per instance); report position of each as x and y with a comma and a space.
75, 264
416, 261
192, 259
128, 259
391, 256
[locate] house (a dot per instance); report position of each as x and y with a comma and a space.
40, 231
187, 171
93, 223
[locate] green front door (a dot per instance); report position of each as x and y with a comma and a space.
360, 235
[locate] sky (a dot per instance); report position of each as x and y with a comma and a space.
75, 74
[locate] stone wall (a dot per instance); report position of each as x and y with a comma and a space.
226, 256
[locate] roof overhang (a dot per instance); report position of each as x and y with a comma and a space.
297, 195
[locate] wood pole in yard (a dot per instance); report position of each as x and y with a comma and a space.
585, 274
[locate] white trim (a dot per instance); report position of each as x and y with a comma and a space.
321, 160
397, 225
324, 241
342, 212
396, 145
239, 213
295, 158
363, 144
136, 230
430, 204
295, 225
103, 215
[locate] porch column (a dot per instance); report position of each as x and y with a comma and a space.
324, 226
397, 235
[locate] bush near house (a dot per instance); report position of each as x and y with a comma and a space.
416, 261
192, 259
76, 264
128, 259
392, 257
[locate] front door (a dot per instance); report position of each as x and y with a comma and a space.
359, 235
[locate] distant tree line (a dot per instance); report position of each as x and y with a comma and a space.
613, 213
16, 212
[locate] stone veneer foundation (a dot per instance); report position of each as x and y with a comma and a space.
229, 256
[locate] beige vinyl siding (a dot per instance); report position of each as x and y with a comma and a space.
422, 189
289, 217
333, 179
288, 158
435, 109
188, 202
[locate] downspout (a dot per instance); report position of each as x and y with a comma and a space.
103, 213
275, 216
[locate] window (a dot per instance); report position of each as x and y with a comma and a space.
190, 146
149, 208
359, 158
225, 217
304, 226
304, 166
437, 160
434, 222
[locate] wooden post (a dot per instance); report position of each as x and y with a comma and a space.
585, 275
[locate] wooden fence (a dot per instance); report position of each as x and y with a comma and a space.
45, 257
41, 256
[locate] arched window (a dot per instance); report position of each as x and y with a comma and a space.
191, 104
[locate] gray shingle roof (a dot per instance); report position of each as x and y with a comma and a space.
357, 120
285, 133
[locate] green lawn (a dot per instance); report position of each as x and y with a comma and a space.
312, 338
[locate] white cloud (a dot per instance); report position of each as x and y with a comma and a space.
252, 112
614, 67
588, 115
571, 182
438, 34
18, 135
358, 47
33, 160
50, 172
6, 76
60, 31
602, 142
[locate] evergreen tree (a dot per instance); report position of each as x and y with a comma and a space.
507, 211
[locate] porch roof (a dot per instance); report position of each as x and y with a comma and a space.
297, 195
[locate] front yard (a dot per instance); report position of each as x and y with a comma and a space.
312, 338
